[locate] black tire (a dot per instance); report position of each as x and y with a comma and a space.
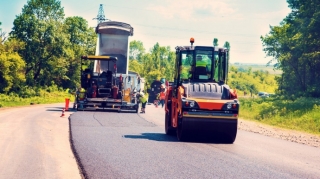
169, 130
231, 135
230, 140
181, 133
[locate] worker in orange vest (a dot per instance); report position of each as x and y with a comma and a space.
162, 97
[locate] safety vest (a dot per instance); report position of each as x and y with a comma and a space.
201, 63
162, 95
143, 99
68, 91
82, 94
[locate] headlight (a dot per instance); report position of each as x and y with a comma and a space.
229, 106
192, 104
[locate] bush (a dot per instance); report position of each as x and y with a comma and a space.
300, 114
36, 95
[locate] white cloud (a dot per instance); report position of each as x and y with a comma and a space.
193, 10
281, 14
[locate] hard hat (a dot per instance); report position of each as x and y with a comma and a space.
141, 94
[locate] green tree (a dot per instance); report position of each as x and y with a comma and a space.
169, 66
3, 36
249, 70
136, 50
215, 42
135, 66
11, 66
294, 46
227, 46
252, 88
82, 40
40, 26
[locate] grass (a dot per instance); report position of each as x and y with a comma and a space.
302, 114
43, 97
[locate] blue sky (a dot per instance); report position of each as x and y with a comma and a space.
173, 22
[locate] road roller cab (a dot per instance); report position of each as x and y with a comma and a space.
199, 101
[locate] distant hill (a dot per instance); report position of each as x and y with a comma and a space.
255, 67
251, 64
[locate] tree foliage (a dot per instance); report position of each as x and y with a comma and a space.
295, 47
215, 42
156, 64
82, 40
11, 66
3, 36
251, 81
136, 50
44, 47
40, 25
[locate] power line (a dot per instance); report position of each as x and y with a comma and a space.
177, 37
251, 16
196, 31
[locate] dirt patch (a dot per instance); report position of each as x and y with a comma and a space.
289, 135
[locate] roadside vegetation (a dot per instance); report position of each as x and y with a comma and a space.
301, 114
290, 112
33, 96
257, 67
249, 83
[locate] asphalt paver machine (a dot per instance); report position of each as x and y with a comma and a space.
103, 90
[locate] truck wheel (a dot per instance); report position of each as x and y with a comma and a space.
181, 133
168, 129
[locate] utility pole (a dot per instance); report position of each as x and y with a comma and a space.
100, 17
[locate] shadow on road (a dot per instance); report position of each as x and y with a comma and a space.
161, 137
153, 136
60, 109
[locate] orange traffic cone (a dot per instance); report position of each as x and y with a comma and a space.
62, 112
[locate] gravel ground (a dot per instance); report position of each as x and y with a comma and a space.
289, 135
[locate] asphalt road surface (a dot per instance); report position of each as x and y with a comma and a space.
34, 143
130, 145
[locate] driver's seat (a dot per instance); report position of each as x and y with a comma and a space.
200, 71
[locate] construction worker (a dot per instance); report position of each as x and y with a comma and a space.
81, 93
201, 63
67, 99
143, 100
162, 96
74, 94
